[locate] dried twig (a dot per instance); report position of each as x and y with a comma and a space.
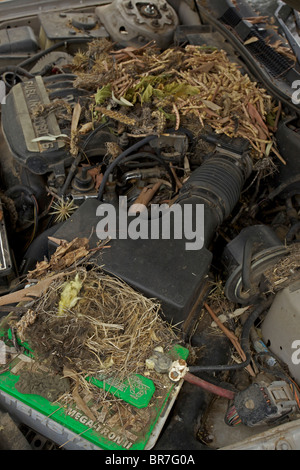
231, 336
193, 84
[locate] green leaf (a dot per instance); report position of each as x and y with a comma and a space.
170, 117
147, 94
191, 90
102, 94
271, 118
159, 93
180, 89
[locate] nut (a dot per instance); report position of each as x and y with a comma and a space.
174, 375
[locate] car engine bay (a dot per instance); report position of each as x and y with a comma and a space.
177, 103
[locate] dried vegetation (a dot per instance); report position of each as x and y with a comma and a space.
286, 271
89, 324
150, 91
108, 328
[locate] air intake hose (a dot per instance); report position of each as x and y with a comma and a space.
217, 184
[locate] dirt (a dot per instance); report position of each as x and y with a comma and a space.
44, 384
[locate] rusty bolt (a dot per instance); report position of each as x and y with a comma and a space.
174, 375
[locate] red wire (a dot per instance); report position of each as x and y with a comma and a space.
221, 392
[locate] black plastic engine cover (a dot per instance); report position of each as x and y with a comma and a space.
160, 269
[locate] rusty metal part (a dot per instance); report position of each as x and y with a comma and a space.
178, 370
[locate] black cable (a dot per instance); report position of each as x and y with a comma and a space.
245, 342
41, 54
153, 157
120, 157
71, 174
181, 130
77, 160
16, 69
137, 155
125, 154
92, 134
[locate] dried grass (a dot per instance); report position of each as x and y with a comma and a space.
110, 331
191, 84
285, 271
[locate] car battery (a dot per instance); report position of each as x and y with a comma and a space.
71, 426
6, 262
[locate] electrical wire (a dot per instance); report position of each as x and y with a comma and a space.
70, 175
232, 417
77, 160
16, 69
120, 157
209, 387
93, 133
153, 157
55, 46
245, 342
125, 154
35, 224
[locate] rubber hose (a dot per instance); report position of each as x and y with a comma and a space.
217, 184
17, 70
41, 54
245, 342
